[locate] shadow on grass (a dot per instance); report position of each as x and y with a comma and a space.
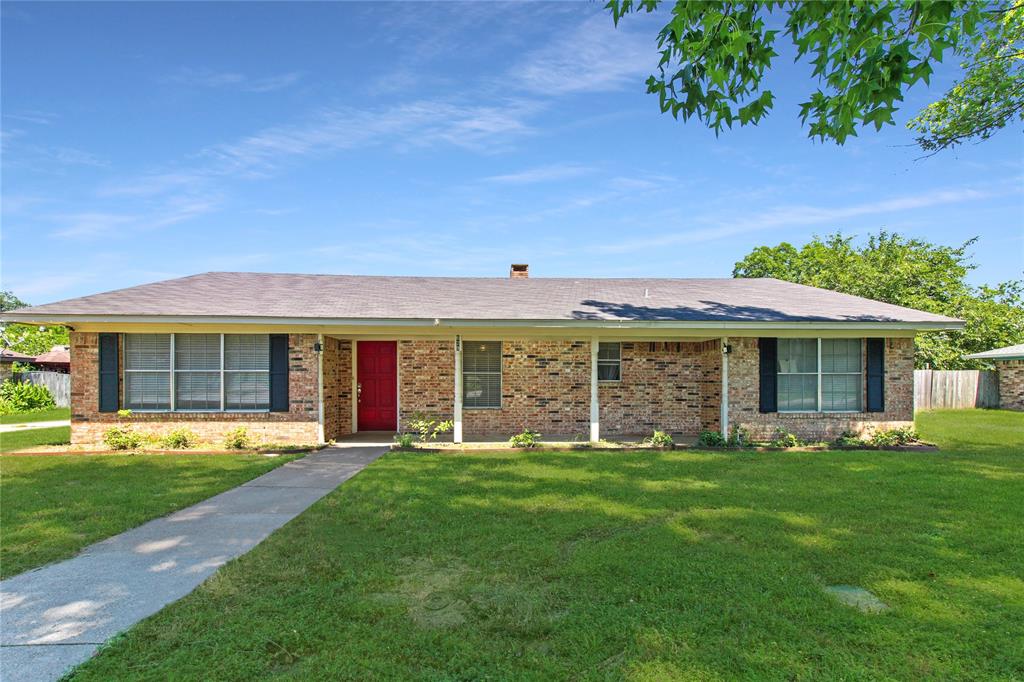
602, 565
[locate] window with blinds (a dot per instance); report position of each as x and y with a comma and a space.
197, 372
609, 361
481, 374
823, 375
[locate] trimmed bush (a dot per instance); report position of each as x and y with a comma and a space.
901, 436
239, 439
18, 397
711, 439
526, 439
123, 438
785, 439
180, 439
404, 440
659, 439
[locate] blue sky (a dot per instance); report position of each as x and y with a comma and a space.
143, 141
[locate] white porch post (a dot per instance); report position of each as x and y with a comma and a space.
595, 407
319, 388
355, 388
724, 416
457, 430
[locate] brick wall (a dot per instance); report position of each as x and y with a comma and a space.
426, 379
545, 387
710, 354
337, 388
660, 389
744, 393
1011, 384
298, 425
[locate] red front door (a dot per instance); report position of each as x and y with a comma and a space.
377, 375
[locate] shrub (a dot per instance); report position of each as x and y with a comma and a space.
404, 440
785, 439
123, 438
526, 439
901, 436
429, 427
239, 439
124, 414
659, 439
18, 397
180, 439
849, 439
711, 439
738, 438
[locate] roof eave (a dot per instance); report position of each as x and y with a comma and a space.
70, 320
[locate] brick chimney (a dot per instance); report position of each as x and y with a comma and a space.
519, 271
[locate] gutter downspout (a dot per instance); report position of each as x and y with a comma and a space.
724, 402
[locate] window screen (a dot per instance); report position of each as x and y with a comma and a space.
246, 371
798, 375
841, 379
609, 361
481, 374
147, 371
197, 371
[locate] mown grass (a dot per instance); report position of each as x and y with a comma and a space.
625, 565
51, 506
51, 414
30, 438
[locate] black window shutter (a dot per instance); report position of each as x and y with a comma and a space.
109, 390
876, 375
769, 352
278, 372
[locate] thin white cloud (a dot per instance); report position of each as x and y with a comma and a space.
209, 78
595, 57
797, 215
540, 174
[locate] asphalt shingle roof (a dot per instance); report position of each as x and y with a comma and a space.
273, 295
1005, 353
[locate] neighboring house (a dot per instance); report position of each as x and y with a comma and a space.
1009, 362
302, 358
57, 359
7, 359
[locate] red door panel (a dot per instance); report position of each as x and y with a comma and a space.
377, 374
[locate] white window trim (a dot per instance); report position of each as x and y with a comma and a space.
617, 363
819, 374
173, 371
501, 367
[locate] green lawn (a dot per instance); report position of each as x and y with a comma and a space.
30, 438
52, 506
626, 565
52, 414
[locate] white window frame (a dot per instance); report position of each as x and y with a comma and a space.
818, 374
616, 363
501, 367
173, 370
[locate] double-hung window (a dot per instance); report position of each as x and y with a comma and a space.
820, 375
609, 361
197, 372
481, 374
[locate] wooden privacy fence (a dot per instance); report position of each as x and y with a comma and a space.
58, 384
955, 388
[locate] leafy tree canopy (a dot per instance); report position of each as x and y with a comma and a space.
864, 54
25, 338
909, 272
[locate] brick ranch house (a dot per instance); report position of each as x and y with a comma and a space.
308, 358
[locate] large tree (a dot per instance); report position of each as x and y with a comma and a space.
25, 338
909, 272
865, 54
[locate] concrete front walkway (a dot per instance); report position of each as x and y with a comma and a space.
24, 426
55, 617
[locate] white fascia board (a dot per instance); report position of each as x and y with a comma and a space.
71, 320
